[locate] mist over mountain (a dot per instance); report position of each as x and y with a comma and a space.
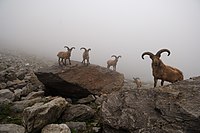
127, 28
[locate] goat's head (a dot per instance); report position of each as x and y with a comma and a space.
71, 49
136, 78
116, 57
85, 49
156, 61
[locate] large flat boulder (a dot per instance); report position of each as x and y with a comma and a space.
78, 80
171, 108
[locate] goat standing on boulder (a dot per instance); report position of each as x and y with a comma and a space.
65, 55
113, 62
162, 71
85, 55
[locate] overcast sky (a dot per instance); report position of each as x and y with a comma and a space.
122, 27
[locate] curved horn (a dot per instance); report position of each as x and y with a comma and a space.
72, 48
114, 56
147, 53
66, 47
161, 51
89, 49
82, 48
119, 56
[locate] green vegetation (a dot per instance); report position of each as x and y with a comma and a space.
7, 116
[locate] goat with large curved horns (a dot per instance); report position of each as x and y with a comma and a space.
85, 55
162, 71
65, 55
113, 63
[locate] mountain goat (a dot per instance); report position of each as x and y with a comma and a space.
113, 62
138, 82
85, 55
65, 55
162, 71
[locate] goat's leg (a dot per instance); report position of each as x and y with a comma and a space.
58, 60
155, 82
65, 62
62, 60
114, 68
69, 62
162, 82
108, 66
88, 62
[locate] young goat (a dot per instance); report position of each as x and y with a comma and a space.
85, 55
138, 82
162, 71
113, 62
65, 55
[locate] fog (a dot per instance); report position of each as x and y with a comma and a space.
122, 27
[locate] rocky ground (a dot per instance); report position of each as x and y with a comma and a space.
90, 99
24, 107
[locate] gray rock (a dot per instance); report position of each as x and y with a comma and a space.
96, 129
3, 85
76, 126
10, 83
28, 89
12, 89
33, 95
86, 100
17, 93
7, 94
78, 112
5, 101
19, 106
11, 128
21, 73
100, 99
39, 115
10, 74
56, 128
17, 84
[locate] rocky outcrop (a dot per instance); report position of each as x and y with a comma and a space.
122, 108
167, 109
78, 80
41, 114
